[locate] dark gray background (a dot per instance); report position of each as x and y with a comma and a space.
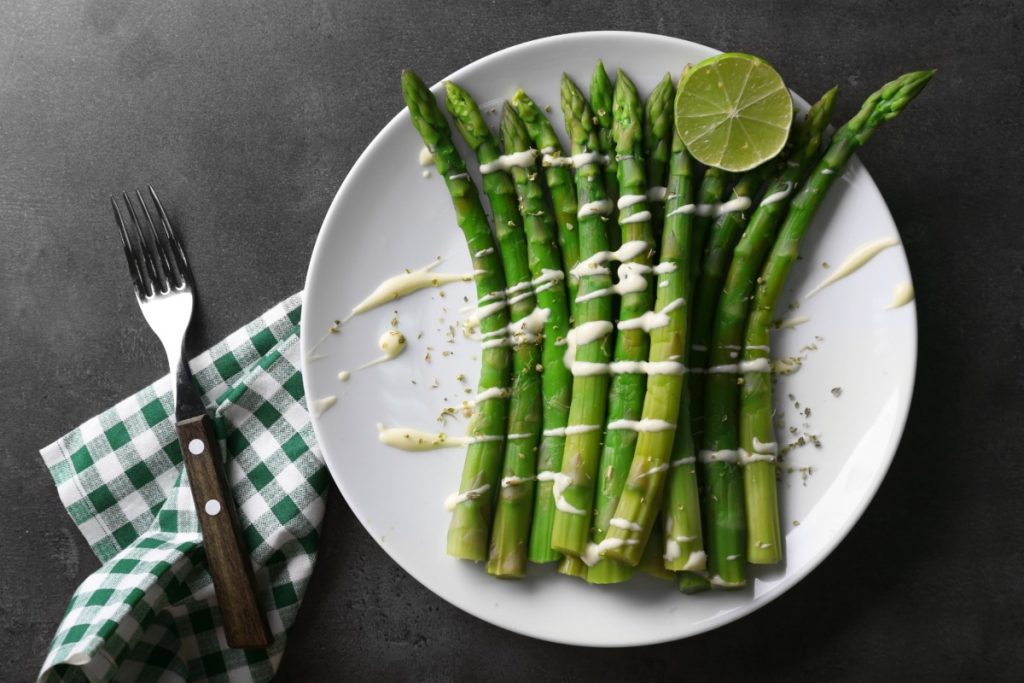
247, 116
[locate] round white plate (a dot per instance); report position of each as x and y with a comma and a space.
387, 217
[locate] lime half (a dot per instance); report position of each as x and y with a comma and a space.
733, 111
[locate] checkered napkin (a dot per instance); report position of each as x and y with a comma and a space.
149, 613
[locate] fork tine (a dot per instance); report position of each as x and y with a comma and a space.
147, 257
179, 253
129, 253
165, 262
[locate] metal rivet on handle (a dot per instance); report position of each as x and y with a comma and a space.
212, 507
195, 446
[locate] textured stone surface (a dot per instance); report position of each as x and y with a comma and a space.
247, 121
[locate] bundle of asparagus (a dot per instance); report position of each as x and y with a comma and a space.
586, 436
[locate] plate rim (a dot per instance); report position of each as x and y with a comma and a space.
842, 531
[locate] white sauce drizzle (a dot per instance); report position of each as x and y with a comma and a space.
594, 551
484, 252
526, 330
407, 283
792, 323
645, 425
697, 561
509, 161
489, 309
514, 480
455, 499
778, 196
569, 431
855, 261
628, 200
631, 281
392, 343
764, 451
622, 523
593, 265
415, 440
713, 210
651, 320
321, 405
688, 460
638, 217
426, 156
717, 580
724, 455
492, 393
601, 207
575, 160
560, 483
654, 470
756, 365
658, 193
901, 296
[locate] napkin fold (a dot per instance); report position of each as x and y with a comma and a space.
149, 612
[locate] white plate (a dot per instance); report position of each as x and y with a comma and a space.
387, 217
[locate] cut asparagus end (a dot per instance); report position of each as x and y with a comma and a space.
764, 540
692, 583
572, 566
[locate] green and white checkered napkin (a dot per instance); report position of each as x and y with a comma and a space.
149, 613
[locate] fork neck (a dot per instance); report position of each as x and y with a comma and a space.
187, 403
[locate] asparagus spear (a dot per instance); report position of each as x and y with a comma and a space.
641, 497
507, 555
601, 105
712, 188
560, 186
632, 343
471, 521
658, 121
591, 351
683, 538
757, 433
556, 380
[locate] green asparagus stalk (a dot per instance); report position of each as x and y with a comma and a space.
471, 520
757, 433
632, 343
724, 504
683, 548
651, 562
601, 105
560, 184
509, 534
549, 280
574, 485
713, 187
641, 498
658, 123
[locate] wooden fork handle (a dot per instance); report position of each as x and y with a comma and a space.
226, 553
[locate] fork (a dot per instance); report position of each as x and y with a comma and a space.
163, 285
